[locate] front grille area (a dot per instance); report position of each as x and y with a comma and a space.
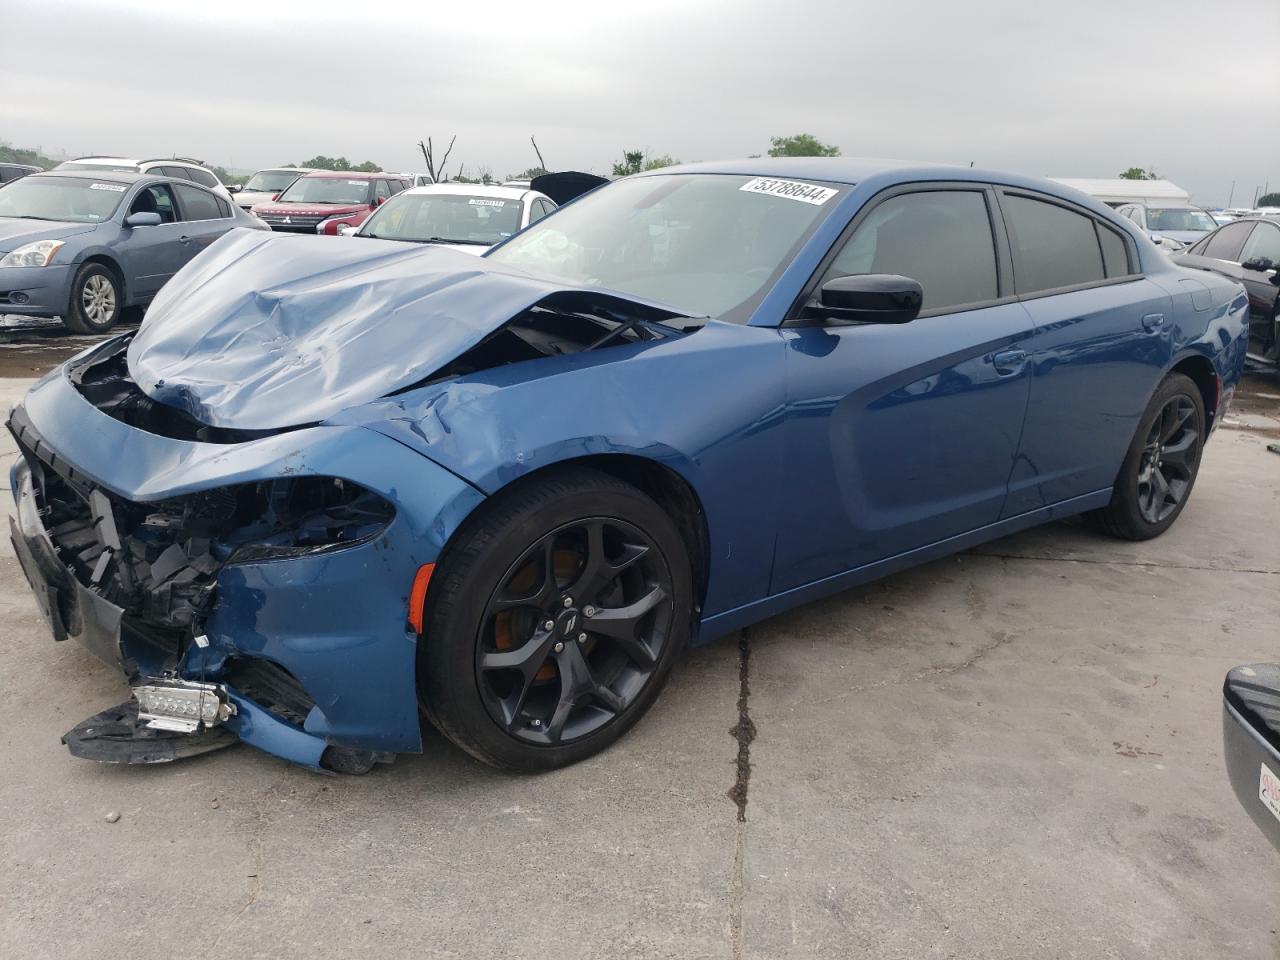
293, 222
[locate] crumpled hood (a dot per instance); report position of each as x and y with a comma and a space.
265, 331
14, 232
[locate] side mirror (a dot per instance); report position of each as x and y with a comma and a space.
380, 201
143, 220
868, 298
348, 231
1259, 263
234, 188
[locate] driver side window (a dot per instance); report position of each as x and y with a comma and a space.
157, 198
941, 238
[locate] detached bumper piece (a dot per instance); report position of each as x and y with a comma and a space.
1251, 742
121, 735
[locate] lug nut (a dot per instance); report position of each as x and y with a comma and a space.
549, 625
582, 638
558, 647
535, 723
568, 602
589, 610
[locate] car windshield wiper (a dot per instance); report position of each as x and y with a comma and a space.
480, 243
28, 216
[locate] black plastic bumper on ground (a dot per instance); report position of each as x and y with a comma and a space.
117, 736
1251, 742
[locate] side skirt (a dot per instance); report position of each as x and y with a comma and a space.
730, 620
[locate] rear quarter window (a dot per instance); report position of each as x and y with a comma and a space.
1115, 253
1052, 246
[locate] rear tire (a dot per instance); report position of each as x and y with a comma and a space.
1161, 466
533, 654
96, 300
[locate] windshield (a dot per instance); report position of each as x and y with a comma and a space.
121, 167
271, 181
327, 190
1178, 218
710, 245
68, 199
445, 218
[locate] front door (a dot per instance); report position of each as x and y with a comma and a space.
152, 254
900, 436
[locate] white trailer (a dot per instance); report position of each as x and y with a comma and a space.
1114, 192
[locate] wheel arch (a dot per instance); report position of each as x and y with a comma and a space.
662, 483
112, 264
1202, 373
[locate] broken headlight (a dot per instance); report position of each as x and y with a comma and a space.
310, 515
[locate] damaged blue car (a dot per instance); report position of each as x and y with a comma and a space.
332, 486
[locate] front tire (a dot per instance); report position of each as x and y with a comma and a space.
553, 620
1161, 466
96, 300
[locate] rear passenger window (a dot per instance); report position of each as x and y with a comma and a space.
1226, 243
1052, 246
202, 177
1115, 255
940, 238
1264, 242
196, 204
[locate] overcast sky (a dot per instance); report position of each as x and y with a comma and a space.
1080, 89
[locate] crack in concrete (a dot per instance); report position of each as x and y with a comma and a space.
744, 731
1123, 563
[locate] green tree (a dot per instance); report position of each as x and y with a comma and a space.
1269, 200
322, 162
228, 178
528, 174
1137, 173
633, 161
802, 145
33, 158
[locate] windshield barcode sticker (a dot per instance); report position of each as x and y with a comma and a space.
487, 203
113, 187
791, 189
358, 183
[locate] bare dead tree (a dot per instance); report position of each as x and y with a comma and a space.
542, 163
428, 154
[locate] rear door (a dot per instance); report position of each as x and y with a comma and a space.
205, 215
1259, 259
899, 436
1101, 344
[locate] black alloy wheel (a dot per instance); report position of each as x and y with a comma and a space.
553, 619
1168, 459
574, 631
1159, 470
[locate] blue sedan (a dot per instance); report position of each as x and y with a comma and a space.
330, 484
85, 247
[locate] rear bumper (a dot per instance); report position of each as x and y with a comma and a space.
334, 625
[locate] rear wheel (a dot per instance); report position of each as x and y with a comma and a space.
1161, 466
553, 621
96, 300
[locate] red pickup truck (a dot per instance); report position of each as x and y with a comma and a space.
326, 202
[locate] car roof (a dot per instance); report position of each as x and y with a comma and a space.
102, 176
102, 160
349, 174
471, 190
855, 170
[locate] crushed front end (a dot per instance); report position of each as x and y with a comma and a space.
248, 586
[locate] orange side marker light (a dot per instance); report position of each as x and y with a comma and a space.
418, 595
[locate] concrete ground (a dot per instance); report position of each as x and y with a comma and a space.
1011, 753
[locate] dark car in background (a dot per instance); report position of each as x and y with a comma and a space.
1248, 251
326, 202
84, 246
10, 172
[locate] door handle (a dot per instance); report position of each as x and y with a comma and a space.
1009, 361
184, 239
1152, 322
